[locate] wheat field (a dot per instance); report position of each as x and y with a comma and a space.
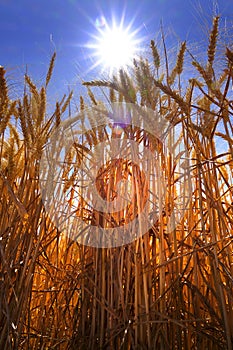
171, 288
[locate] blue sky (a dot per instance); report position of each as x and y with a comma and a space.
31, 30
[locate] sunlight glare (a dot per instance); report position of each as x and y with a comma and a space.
114, 46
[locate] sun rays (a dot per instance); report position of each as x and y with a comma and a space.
114, 45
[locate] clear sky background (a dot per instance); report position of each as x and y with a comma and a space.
31, 30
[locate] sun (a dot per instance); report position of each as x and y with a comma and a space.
114, 46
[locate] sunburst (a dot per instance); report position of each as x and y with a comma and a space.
115, 45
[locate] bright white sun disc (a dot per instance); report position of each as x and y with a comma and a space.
116, 47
